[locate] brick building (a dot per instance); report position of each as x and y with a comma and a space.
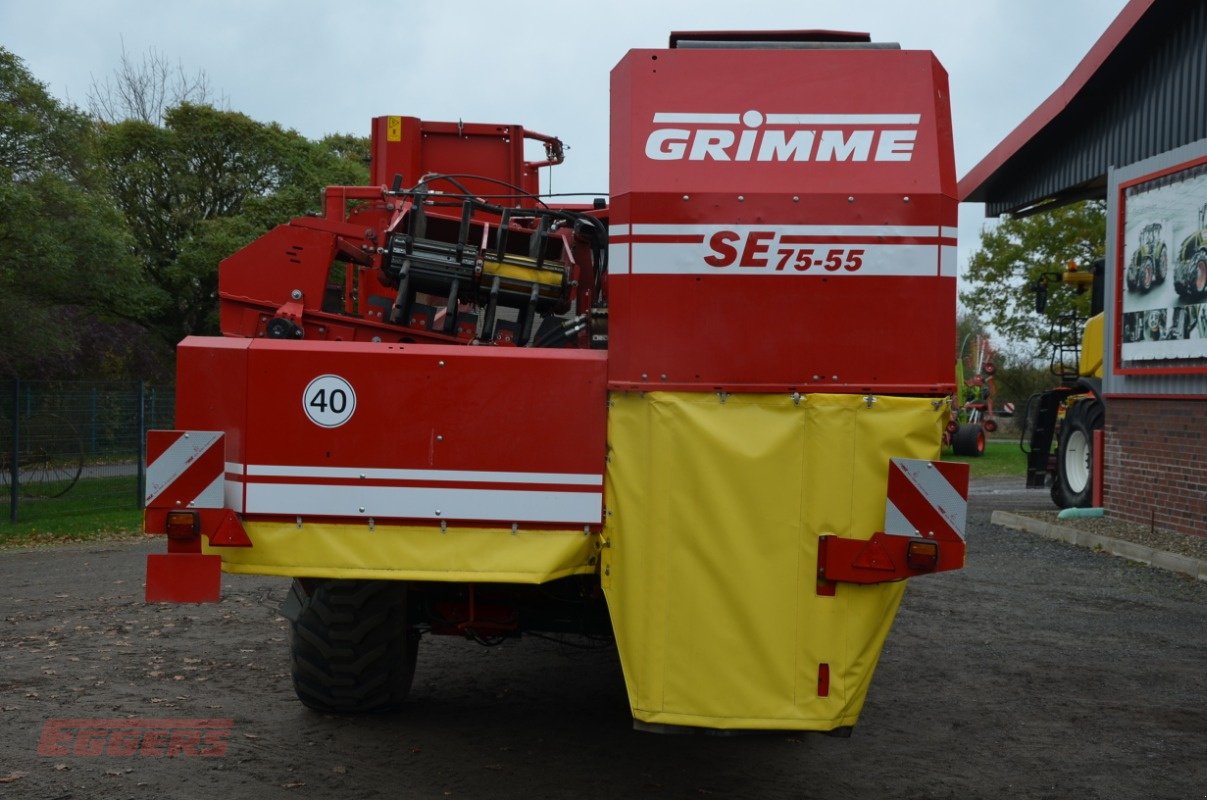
1129, 126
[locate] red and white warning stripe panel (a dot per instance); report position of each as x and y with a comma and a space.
424, 494
185, 469
827, 250
926, 498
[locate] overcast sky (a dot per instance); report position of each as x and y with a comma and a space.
327, 67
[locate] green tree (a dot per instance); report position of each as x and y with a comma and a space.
1014, 254
204, 184
65, 253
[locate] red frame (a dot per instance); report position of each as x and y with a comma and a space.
1121, 214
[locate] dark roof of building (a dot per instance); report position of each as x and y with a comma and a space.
1141, 90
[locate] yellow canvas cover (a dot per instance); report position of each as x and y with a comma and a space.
410, 552
715, 505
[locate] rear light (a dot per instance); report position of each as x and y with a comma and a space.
183, 524
922, 554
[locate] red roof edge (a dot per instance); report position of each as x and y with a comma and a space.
1057, 102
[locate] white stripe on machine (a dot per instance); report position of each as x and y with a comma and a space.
483, 505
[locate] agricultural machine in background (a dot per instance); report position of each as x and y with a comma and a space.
447, 407
973, 414
1059, 424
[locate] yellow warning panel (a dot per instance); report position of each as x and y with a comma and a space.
715, 507
393, 129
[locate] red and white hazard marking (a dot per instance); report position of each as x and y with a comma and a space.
926, 498
185, 469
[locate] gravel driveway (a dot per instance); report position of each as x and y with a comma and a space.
1040, 671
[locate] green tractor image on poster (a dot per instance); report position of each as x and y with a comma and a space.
1190, 275
1150, 262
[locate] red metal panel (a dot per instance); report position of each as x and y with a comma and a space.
493, 434
782, 219
183, 578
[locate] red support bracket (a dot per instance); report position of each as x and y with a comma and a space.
925, 512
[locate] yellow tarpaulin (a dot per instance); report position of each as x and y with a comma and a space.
410, 552
715, 506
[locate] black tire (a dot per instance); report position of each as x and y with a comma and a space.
351, 649
1162, 264
1146, 275
969, 440
1074, 482
1196, 281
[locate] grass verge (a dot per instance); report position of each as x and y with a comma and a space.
95, 508
1002, 458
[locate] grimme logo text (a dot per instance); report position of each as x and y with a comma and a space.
754, 136
135, 737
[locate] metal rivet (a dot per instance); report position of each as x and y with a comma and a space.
851, 199
906, 199
686, 198
437, 511
296, 294
795, 199
362, 509
664, 376
440, 363
741, 199
377, 338
439, 438
645, 376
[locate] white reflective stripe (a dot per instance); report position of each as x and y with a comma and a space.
708, 119
870, 231
213, 496
496, 505
887, 260
233, 495
618, 230
952, 232
947, 261
553, 478
173, 462
843, 119
618, 259
896, 523
233, 467
937, 490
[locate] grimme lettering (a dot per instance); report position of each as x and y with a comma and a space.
135, 737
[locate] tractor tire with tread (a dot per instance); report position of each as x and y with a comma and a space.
1073, 483
351, 648
968, 440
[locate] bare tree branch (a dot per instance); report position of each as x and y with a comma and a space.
144, 89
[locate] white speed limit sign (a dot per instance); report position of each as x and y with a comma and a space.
329, 401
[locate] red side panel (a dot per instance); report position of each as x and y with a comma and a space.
782, 219
183, 578
413, 432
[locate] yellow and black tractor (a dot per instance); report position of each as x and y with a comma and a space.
1059, 424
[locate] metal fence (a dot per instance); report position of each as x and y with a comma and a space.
70, 447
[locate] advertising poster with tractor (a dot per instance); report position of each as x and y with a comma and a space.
1163, 281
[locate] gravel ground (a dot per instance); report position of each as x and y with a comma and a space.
1042, 670
1169, 541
